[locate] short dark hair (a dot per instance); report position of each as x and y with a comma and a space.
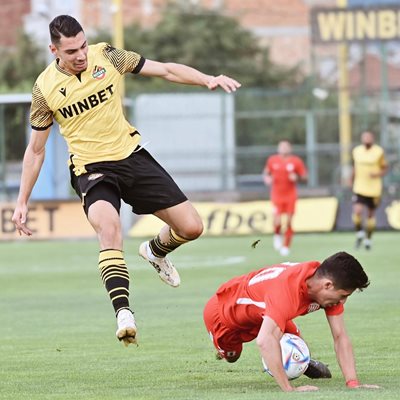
63, 25
345, 272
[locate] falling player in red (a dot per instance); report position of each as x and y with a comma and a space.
262, 305
281, 172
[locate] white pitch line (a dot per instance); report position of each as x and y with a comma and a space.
134, 264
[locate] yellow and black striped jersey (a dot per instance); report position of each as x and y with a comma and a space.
367, 162
88, 106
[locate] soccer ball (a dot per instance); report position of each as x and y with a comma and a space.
295, 356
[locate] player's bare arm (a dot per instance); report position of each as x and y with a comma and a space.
344, 352
267, 177
180, 73
31, 166
268, 343
381, 173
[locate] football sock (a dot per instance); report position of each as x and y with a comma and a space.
357, 222
161, 249
277, 229
115, 276
288, 236
371, 224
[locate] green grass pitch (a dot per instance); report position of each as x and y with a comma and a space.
57, 329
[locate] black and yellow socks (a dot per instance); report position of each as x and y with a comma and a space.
115, 276
161, 249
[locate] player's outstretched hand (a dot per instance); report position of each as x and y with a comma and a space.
226, 83
306, 388
19, 219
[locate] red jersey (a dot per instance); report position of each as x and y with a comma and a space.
279, 168
279, 292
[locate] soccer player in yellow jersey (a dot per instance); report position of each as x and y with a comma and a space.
369, 168
79, 90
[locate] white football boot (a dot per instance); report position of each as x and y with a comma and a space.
284, 251
277, 242
164, 267
360, 236
367, 244
127, 330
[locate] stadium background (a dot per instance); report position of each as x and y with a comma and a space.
56, 324
335, 86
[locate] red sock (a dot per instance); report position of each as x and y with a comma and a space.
277, 229
288, 236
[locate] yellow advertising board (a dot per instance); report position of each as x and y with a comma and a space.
66, 220
248, 218
48, 220
330, 25
393, 214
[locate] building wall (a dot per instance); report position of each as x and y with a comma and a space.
11, 17
282, 25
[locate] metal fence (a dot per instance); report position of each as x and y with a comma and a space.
254, 122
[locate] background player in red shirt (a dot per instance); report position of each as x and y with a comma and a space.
262, 305
281, 172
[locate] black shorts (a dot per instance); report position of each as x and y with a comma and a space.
138, 180
371, 202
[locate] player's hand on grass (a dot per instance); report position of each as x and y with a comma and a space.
226, 83
306, 388
355, 384
366, 386
19, 219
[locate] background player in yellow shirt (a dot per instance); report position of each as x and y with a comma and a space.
80, 90
369, 166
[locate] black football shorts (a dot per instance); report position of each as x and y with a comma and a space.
139, 180
370, 202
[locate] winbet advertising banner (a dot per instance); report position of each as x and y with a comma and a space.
66, 220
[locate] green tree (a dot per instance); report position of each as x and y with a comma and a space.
208, 41
20, 68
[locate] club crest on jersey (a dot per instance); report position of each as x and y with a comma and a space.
313, 307
99, 72
93, 177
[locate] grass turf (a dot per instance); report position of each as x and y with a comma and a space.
57, 326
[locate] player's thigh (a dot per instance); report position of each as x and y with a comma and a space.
102, 215
359, 203
227, 342
102, 205
290, 207
183, 218
147, 186
277, 207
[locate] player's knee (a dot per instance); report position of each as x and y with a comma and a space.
232, 356
192, 229
110, 234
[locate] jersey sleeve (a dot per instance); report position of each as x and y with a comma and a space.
280, 305
124, 60
301, 169
41, 116
382, 161
334, 310
267, 167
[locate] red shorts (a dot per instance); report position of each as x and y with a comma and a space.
227, 341
284, 205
